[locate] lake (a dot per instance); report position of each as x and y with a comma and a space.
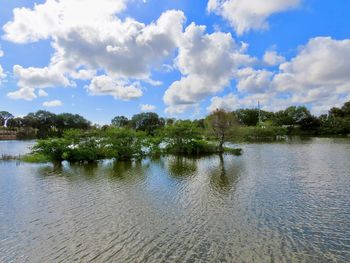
278, 202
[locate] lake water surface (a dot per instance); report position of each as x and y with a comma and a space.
279, 202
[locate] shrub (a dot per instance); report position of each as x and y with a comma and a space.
262, 133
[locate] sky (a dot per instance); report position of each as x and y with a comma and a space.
178, 58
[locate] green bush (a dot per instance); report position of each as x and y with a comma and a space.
184, 137
122, 143
92, 145
53, 149
261, 133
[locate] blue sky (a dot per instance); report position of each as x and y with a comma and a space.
289, 52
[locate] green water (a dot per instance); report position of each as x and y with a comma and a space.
280, 202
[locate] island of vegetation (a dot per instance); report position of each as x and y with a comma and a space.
73, 138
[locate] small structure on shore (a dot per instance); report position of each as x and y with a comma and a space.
8, 135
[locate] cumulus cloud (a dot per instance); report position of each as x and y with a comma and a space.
105, 85
244, 15
39, 77
52, 103
319, 74
253, 81
316, 76
47, 19
147, 107
271, 58
83, 74
230, 102
89, 37
207, 63
1, 53
23, 93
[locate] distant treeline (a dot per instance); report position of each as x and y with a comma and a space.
252, 122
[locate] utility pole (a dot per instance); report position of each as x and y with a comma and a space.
259, 112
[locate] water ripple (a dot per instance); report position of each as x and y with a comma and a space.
276, 203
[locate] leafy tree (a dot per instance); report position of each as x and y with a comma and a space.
336, 112
120, 121
44, 121
247, 117
184, 137
346, 109
123, 143
15, 122
169, 121
66, 121
200, 123
148, 122
292, 116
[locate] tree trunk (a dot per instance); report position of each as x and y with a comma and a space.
221, 144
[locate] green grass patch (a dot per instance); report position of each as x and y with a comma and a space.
35, 158
234, 151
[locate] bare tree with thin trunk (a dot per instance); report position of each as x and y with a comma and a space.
222, 125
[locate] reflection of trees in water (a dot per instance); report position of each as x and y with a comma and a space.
224, 177
70, 171
128, 171
181, 167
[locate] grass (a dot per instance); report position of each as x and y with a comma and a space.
236, 151
6, 157
34, 158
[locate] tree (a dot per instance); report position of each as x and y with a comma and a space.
184, 137
120, 121
221, 124
148, 122
15, 122
292, 116
182, 132
67, 121
5, 116
44, 121
336, 112
346, 108
247, 117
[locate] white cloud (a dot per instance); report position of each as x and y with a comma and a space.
254, 81
1, 53
42, 93
2, 74
83, 74
39, 77
271, 58
245, 15
207, 62
147, 107
231, 102
53, 103
22, 93
319, 74
88, 36
55, 16
119, 89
